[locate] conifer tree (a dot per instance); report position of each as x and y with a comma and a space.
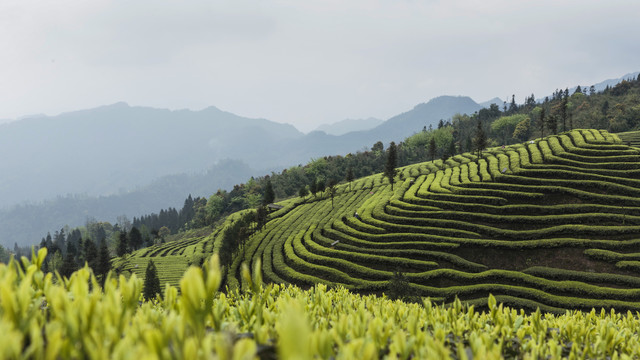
552, 123
104, 260
90, 253
542, 122
432, 148
390, 171
269, 195
480, 139
151, 282
349, 176
452, 148
123, 246
69, 265
563, 112
332, 190
262, 216
135, 238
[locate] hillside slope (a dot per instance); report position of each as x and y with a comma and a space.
553, 223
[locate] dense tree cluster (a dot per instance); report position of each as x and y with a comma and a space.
68, 253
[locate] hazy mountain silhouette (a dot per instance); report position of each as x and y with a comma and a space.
495, 100
111, 155
104, 150
349, 125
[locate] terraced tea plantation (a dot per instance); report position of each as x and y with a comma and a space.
552, 223
171, 259
631, 138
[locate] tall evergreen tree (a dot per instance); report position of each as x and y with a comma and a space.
60, 241
452, 149
262, 216
349, 176
135, 238
269, 195
332, 189
432, 148
122, 246
151, 282
564, 104
69, 265
480, 139
90, 253
542, 122
104, 261
552, 123
512, 106
392, 162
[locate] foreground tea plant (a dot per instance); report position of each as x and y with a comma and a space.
43, 317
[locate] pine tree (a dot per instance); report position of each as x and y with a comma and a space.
269, 195
552, 123
104, 260
90, 253
392, 160
262, 216
135, 238
452, 149
432, 148
332, 189
542, 122
563, 112
69, 265
123, 246
151, 282
512, 106
480, 139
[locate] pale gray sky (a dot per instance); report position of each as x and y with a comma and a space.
304, 62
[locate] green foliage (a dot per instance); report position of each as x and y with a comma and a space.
522, 130
506, 125
151, 282
269, 195
443, 227
432, 148
4, 255
479, 139
123, 244
392, 162
110, 322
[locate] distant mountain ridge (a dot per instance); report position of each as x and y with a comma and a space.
111, 150
349, 125
103, 150
495, 100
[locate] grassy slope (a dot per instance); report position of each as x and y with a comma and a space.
553, 223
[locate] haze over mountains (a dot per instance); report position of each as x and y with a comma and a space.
349, 125
140, 159
118, 159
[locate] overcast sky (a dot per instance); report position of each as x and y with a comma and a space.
304, 62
